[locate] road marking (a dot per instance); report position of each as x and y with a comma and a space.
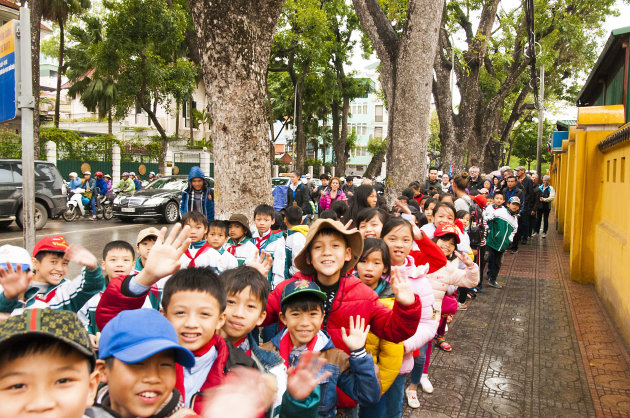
74, 232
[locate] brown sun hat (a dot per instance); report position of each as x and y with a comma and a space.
241, 220
354, 238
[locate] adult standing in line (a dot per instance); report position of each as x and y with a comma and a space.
475, 182
298, 193
349, 188
527, 203
548, 194
432, 183
321, 189
536, 204
460, 184
445, 186
332, 194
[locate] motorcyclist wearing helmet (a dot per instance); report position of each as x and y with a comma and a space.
126, 185
101, 183
89, 184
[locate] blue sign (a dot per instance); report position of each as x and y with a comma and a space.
8, 107
558, 137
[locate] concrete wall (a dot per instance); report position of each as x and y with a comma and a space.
592, 207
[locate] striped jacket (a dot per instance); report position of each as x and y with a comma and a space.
68, 295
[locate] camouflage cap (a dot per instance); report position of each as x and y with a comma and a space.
64, 326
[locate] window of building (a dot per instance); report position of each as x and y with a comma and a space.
378, 132
186, 113
378, 113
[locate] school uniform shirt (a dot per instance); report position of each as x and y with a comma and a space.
273, 244
296, 240
502, 227
244, 251
68, 295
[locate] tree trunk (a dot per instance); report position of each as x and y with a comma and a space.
59, 73
406, 77
176, 119
340, 169
375, 165
147, 108
110, 123
339, 146
36, 18
300, 140
272, 134
190, 125
235, 38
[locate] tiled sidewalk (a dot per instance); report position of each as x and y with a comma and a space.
541, 346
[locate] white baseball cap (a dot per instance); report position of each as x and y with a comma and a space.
16, 256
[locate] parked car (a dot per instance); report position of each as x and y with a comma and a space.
50, 193
159, 200
280, 181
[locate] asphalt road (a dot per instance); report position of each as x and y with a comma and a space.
93, 235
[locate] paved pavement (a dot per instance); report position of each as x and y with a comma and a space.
541, 346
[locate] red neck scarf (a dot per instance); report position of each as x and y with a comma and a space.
261, 240
203, 350
205, 247
286, 346
241, 341
232, 248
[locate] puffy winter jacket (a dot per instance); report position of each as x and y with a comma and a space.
326, 199
451, 275
502, 227
186, 203
388, 356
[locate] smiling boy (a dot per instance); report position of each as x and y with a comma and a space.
269, 241
46, 365
49, 287
137, 362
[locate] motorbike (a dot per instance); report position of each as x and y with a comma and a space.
79, 206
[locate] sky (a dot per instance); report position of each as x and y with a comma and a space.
562, 111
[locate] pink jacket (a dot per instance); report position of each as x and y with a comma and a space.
448, 275
326, 200
427, 326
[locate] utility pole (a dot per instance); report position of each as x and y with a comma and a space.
26, 104
541, 118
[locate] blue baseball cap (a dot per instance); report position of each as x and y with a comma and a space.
133, 336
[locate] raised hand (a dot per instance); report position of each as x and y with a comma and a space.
262, 263
417, 232
14, 282
464, 258
401, 288
163, 260
81, 255
302, 379
355, 340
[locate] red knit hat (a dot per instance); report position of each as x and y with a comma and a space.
480, 200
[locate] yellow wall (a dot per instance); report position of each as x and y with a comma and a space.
593, 207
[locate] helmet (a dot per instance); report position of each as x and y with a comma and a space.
151, 173
107, 176
73, 174
87, 172
125, 174
131, 173
99, 174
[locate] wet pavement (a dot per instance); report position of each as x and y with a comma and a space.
93, 235
541, 346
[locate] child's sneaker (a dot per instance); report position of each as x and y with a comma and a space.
534, 234
412, 398
494, 283
462, 306
544, 235
427, 387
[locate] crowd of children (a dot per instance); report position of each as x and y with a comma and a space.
271, 317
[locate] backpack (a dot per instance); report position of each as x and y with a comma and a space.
476, 230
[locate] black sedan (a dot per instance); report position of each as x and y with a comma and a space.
159, 200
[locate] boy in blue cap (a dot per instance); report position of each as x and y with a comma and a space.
138, 351
197, 196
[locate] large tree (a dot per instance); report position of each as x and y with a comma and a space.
234, 40
493, 69
143, 61
405, 45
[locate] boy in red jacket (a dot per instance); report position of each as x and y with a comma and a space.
329, 254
